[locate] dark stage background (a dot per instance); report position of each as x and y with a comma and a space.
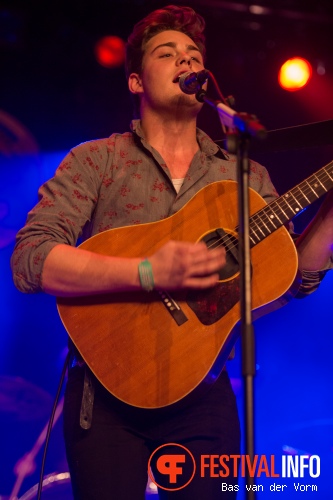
55, 95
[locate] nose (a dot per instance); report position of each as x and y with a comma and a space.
185, 59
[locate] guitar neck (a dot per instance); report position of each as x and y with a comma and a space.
283, 209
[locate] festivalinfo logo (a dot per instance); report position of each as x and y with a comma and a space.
175, 467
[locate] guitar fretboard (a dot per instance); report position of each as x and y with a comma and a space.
267, 220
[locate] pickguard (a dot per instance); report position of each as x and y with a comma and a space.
212, 304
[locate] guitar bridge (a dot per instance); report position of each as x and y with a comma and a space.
173, 308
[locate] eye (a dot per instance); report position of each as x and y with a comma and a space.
196, 59
166, 55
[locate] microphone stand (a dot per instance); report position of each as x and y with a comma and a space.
244, 127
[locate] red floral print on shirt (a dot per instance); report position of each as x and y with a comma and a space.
79, 196
160, 186
124, 190
135, 207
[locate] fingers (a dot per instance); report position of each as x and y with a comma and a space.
203, 261
179, 265
203, 266
202, 282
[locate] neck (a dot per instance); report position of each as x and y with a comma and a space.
170, 136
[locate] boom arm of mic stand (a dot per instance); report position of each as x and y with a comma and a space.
243, 123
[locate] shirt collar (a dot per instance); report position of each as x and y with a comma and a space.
206, 144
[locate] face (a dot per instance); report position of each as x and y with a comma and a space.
167, 55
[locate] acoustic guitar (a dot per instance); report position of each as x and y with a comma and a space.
155, 349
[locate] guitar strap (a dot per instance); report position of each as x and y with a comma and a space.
88, 392
87, 400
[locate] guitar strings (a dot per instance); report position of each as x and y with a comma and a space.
261, 225
306, 190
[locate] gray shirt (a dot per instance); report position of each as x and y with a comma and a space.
114, 182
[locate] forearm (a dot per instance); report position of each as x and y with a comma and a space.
70, 271
315, 245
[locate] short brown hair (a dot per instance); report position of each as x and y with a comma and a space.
172, 17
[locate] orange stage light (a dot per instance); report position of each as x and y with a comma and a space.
295, 73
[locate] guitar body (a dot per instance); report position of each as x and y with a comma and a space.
133, 343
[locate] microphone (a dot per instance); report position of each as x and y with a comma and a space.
191, 83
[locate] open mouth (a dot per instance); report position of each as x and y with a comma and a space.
177, 78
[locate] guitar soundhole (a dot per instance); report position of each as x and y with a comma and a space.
211, 305
218, 238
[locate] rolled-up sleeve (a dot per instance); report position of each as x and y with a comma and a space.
65, 205
310, 282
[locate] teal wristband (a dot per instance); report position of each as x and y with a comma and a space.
146, 275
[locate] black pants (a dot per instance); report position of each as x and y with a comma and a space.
109, 460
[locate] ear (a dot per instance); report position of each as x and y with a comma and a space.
135, 83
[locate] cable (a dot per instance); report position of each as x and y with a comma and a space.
50, 425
